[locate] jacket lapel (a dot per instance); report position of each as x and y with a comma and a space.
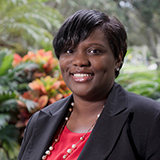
108, 128
49, 121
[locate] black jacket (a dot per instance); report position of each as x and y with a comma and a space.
128, 129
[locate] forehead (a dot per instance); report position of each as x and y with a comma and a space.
96, 37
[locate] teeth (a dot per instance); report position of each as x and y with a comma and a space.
81, 75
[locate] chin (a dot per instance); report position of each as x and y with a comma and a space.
80, 92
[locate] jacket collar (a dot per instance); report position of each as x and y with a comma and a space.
116, 101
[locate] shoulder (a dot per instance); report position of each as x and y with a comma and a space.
146, 111
142, 107
134, 101
142, 103
53, 108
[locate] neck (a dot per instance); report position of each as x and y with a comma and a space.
84, 114
84, 107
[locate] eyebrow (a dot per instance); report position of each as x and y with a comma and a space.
97, 44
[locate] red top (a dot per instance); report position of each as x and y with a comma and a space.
67, 139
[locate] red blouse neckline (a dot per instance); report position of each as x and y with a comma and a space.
67, 139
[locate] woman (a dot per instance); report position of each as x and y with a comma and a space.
100, 120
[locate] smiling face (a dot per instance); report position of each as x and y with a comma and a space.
89, 69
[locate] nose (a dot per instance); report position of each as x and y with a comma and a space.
81, 59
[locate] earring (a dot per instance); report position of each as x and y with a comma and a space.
117, 69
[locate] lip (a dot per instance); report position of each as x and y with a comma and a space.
82, 76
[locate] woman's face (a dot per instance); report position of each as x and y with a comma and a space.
89, 69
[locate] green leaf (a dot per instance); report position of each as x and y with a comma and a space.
26, 65
9, 139
28, 24
2, 55
12, 147
142, 82
3, 155
4, 118
6, 94
6, 64
8, 105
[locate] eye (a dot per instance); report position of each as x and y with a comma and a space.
69, 51
94, 51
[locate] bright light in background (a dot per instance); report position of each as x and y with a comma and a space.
125, 4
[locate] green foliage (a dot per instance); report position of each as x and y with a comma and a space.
141, 81
27, 25
11, 84
7, 104
3, 119
10, 77
5, 61
9, 146
3, 154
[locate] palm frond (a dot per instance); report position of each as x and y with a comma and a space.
3, 154
8, 105
6, 63
39, 19
4, 118
140, 82
6, 94
2, 55
31, 28
9, 139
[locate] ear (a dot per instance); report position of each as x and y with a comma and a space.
119, 61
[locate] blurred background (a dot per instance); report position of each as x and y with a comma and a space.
29, 73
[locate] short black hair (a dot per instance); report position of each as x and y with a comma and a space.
81, 24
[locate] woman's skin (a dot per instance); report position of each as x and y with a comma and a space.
89, 71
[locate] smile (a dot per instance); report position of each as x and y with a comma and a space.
81, 75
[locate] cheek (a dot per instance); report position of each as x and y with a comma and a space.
64, 64
104, 64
